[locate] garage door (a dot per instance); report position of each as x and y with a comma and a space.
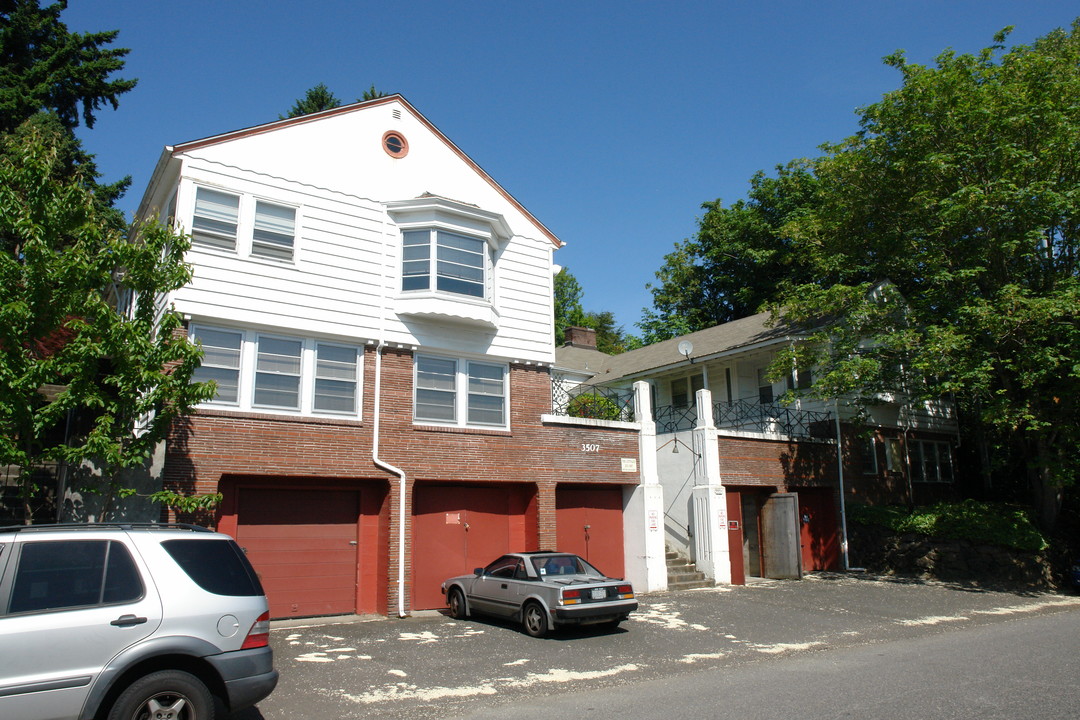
304, 545
457, 529
589, 522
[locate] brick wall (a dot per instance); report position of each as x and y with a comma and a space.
213, 445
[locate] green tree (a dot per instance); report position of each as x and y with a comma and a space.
46, 68
962, 188
371, 94
43, 66
568, 310
82, 333
735, 262
318, 98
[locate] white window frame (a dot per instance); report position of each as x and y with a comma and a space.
269, 246
357, 368
463, 389
435, 258
238, 369
216, 236
299, 374
249, 223
308, 378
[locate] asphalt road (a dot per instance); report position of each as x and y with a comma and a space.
829, 646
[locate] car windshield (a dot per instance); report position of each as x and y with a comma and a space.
548, 565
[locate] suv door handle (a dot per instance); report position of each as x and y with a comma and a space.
128, 621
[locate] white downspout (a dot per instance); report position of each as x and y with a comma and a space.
376, 414
396, 471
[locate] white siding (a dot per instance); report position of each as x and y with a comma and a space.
346, 265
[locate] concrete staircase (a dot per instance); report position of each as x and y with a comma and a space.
682, 575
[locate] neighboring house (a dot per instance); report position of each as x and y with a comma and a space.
377, 314
753, 487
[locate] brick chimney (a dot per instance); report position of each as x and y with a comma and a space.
581, 337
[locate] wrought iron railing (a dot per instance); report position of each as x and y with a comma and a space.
671, 418
591, 401
772, 419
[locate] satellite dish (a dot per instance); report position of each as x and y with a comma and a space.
685, 348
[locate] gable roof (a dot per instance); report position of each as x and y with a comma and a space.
735, 336
269, 127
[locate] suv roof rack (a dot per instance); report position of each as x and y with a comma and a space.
103, 525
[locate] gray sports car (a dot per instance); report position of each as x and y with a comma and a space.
542, 590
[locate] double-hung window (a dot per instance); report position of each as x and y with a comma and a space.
275, 229
217, 215
443, 261
460, 392
220, 362
335, 379
277, 373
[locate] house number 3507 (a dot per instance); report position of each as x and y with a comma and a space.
589, 447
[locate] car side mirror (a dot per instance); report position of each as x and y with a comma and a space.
478, 572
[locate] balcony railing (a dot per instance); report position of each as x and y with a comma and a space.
772, 419
591, 401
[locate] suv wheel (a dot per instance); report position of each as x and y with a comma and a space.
165, 695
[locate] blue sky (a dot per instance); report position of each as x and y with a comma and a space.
611, 121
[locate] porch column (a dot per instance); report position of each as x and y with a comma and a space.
643, 519
712, 554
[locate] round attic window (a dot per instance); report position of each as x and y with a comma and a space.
395, 144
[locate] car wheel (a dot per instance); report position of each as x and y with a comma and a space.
456, 602
164, 695
535, 620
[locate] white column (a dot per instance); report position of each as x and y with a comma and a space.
712, 554
643, 520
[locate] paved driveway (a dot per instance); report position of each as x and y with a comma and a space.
433, 666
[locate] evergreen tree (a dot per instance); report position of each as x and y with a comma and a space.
317, 99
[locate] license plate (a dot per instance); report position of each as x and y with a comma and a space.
599, 593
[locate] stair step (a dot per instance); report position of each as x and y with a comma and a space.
690, 584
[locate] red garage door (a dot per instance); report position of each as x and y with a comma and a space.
457, 529
589, 522
304, 545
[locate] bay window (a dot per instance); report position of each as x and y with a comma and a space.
443, 261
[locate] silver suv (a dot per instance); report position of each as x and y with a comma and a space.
127, 622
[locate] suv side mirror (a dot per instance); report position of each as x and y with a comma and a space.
478, 572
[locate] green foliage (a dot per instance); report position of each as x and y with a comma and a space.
981, 522
568, 310
597, 407
317, 99
738, 258
83, 335
610, 337
43, 66
371, 94
962, 188
187, 504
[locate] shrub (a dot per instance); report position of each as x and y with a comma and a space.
596, 407
983, 522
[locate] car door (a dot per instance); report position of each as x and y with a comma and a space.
67, 607
492, 592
